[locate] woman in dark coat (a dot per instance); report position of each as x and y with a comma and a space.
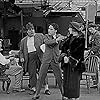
74, 47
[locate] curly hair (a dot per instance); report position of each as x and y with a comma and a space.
29, 26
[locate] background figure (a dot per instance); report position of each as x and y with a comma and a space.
50, 58
16, 71
73, 46
3, 63
13, 70
95, 47
94, 40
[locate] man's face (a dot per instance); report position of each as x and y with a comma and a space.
92, 29
31, 32
0, 45
51, 30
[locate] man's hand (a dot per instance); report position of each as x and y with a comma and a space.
60, 38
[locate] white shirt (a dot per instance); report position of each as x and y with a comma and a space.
3, 60
30, 44
54, 36
42, 47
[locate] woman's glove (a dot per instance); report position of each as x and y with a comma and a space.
66, 59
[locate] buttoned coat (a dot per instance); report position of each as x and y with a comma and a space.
71, 77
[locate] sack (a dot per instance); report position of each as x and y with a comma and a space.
82, 67
73, 62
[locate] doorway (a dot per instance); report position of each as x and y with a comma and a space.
15, 37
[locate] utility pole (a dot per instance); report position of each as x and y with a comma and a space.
96, 4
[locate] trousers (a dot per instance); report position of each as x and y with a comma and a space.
43, 72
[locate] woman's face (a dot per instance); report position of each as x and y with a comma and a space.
70, 30
74, 32
51, 30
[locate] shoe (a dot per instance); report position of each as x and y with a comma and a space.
8, 92
64, 98
33, 89
47, 92
18, 90
36, 97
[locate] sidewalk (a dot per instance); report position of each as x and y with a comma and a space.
55, 93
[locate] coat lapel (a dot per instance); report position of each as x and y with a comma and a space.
25, 44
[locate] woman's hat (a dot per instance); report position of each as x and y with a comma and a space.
76, 25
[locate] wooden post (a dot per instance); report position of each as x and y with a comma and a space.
22, 24
86, 34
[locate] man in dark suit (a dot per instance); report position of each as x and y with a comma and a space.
31, 55
50, 58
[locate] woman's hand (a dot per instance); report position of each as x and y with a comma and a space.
66, 59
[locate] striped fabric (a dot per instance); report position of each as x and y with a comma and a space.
92, 71
92, 64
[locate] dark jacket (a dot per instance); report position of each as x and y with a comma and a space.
74, 47
51, 49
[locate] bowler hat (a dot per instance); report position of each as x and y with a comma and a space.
76, 25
